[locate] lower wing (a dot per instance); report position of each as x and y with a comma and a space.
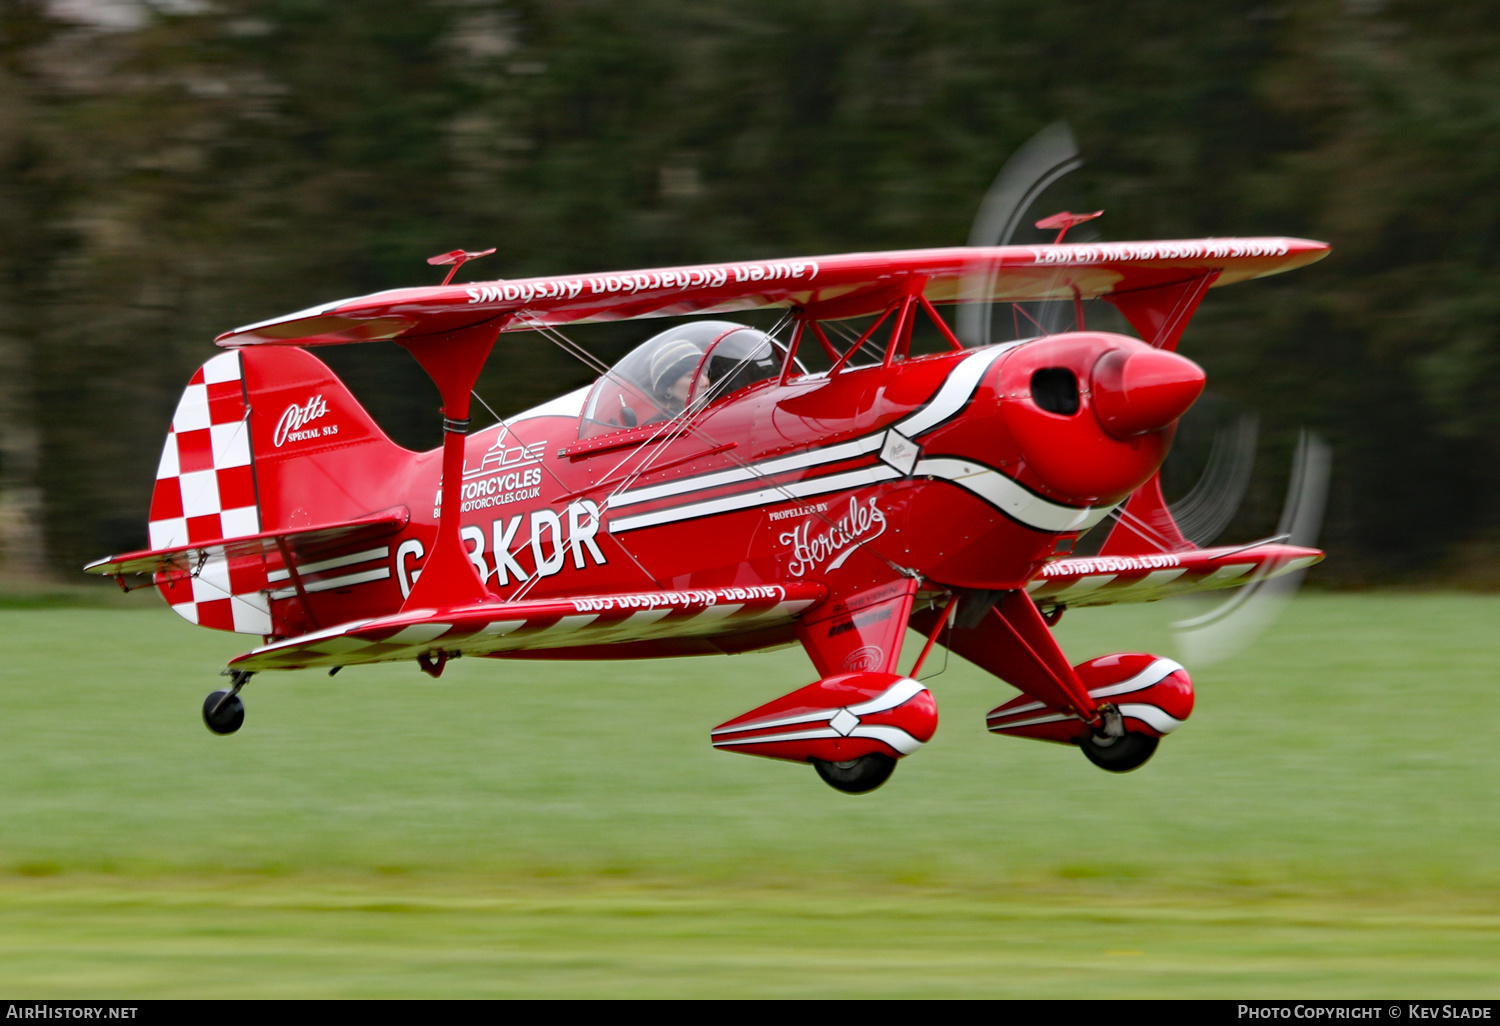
1105, 580
486, 628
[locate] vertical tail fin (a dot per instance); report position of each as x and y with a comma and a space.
262, 440
319, 457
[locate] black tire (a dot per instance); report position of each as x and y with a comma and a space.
1119, 754
230, 715
857, 775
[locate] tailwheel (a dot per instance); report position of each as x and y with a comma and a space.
223, 710
856, 776
1119, 754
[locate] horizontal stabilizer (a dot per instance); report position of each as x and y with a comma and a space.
1105, 580
487, 628
302, 542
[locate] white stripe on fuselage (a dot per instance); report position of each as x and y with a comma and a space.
951, 398
760, 497
956, 392
780, 465
1001, 491
1012, 498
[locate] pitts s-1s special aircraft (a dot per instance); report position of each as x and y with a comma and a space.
711, 494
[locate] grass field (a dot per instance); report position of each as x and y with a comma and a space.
1324, 826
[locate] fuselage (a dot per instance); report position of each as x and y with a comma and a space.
945, 467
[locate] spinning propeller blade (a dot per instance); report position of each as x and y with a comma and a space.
1041, 161
1231, 626
1208, 508
1203, 513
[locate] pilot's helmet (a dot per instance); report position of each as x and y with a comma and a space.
675, 358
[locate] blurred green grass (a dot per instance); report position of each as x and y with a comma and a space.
1323, 826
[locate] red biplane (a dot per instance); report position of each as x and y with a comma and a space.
709, 493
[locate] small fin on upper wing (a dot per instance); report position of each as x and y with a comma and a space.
304, 542
1106, 579
485, 628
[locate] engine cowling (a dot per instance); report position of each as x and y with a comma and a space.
837, 719
1093, 413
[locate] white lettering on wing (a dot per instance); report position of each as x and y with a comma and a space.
1112, 252
684, 599
1111, 564
646, 281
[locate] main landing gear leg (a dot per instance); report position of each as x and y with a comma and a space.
223, 712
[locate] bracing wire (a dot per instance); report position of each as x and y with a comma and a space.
488, 409
1141, 527
554, 335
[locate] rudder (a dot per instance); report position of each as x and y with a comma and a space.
262, 440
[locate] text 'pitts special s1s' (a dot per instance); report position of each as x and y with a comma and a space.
708, 494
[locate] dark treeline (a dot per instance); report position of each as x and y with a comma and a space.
168, 171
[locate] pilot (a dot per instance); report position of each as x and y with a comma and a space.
672, 378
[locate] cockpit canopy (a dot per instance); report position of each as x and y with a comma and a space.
690, 365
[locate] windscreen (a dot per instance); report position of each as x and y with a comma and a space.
691, 364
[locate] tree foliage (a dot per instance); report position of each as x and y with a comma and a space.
170, 170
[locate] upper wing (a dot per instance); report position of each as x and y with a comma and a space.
1105, 580
488, 627
828, 287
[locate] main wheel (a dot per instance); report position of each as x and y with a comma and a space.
223, 715
1119, 754
857, 775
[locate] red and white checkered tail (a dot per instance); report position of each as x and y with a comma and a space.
269, 441
205, 491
